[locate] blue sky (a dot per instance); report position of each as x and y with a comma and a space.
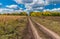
29, 5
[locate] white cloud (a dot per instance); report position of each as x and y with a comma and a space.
40, 8
53, 1
0, 10
18, 1
55, 10
31, 2
5, 10
46, 10
12, 6
19, 10
28, 6
40, 2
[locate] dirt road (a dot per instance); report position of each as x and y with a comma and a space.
48, 32
38, 31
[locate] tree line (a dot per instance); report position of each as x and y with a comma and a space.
21, 14
46, 13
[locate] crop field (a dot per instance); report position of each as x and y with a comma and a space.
12, 27
50, 22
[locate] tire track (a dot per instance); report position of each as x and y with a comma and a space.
41, 33
34, 31
29, 34
47, 31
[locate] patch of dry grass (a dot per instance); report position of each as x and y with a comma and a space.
12, 27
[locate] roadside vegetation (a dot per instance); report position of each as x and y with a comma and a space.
13, 27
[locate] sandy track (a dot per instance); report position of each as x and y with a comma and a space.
47, 31
29, 34
34, 31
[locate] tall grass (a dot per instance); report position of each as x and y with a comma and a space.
12, 27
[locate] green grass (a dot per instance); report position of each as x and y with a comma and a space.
52, 24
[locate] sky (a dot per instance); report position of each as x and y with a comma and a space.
29, 5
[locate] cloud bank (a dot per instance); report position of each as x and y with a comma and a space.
31, 5
36, 5
55, 10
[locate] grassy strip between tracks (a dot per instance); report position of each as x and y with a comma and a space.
41, 33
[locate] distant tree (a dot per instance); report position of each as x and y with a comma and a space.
47, 13
55, 13
23, 14
35, 14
